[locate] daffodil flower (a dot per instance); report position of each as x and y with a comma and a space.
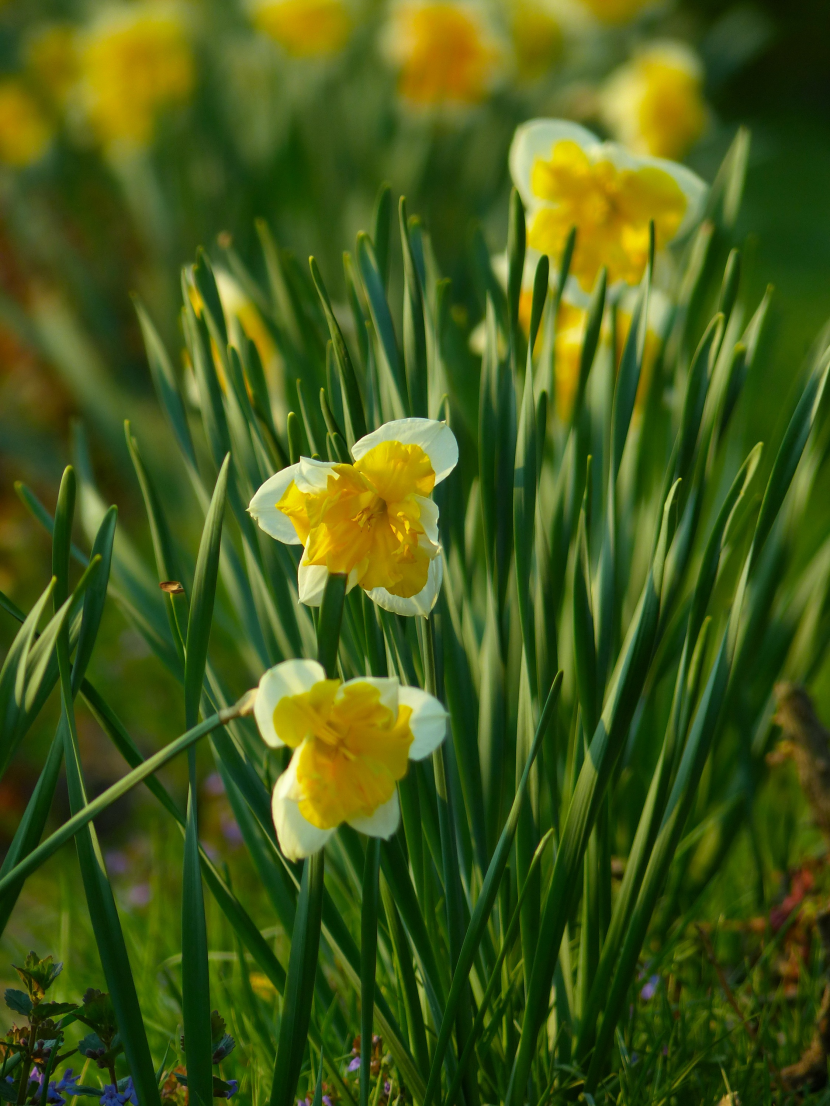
352, 742
447, 52
654, 103
567, 178
372, 521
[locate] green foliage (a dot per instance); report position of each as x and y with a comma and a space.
627, 542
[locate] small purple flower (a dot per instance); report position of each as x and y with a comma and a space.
117, 862
354, 1065
327, 1101
110, 1096
127, 1094
387, 1087
233, 1087
140, 894
213, 785
650, 989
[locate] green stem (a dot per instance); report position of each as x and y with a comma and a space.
368, 961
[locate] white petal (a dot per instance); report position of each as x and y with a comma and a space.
312, 476
693, 188
422, 603
297, 837
288, 678
383, 823
429, 517
263, 507
428, 721
311, 583
435, 439
386, 685
536, 139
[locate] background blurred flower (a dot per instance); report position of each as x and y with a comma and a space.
617, 11
537, 38
135, 61
654, 103
25, 132
51, 54
568, 178
304, 28
448, 53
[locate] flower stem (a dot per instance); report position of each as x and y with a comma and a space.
368, 961
330, 621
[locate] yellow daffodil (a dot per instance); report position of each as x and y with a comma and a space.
25, 132
654, 103
568, 178
571, 324
304, 28
52, 60
537, 38
616, 11
135, 61
372, 520
446, 50
352, 742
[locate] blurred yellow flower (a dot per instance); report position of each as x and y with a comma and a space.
305, 28
654, 103
447, 53
537, 39
571, 324
52, 60
135, 61
616, 11
25, 132
568, 178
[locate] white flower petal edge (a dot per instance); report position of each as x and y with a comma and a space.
311, 583
422, 603
435, 439
297, 837
429, 517
288, 678
428, 721
383, 823
263, 507
537, 138
312, 476
386, 685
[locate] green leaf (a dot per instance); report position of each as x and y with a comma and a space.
85, 814
383, 230
382, 323
202, 599
18, 1001
515, 266
330, 621
195, 970
593, 330
621, 700
299, 990
95, 597
368, 960
414, 329
355, 418
487, 898
166, 384
13, 672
